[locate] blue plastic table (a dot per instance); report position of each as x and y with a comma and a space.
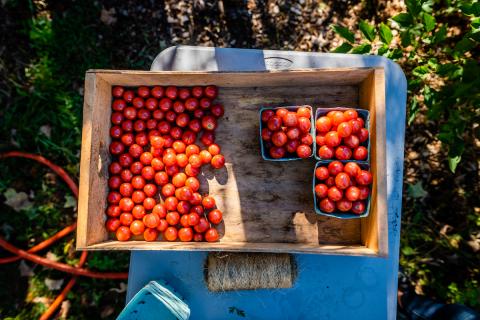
328, 287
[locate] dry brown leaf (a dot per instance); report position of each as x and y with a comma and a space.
108, 16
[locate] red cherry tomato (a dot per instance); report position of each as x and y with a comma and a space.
173, 218
292, 146
138, 182
161, 178
352, 193
114, 197
137, 227
335, 167
123, 233
205, 103
343, 153
211, 91
197, 92
168, 190
163, 225
215, 216
363, 135
117, 91
292, 133
335, 194
307, 139
321, 173
160, 210
217, 110
151, 220
342, 180
267, 114
277, 152
170, 234
171, 203
126, 218
290, 119
344, 205
352, 169
185, 234
193, 219
323, 124
344, 129
304, 124
364, 178
191, 104
171, 92
274, 123
183, 93
211, 235
208, 202
184, 193
150, 234
198, 237
364, 192
149, 203
209, 123
128, 95
337, 117
303, 112
330, 182
113, 211
350, 114
202, 225
183, 207
304, 151
332, 139
218, 161
191, 171
138, 196
189, 137
207, 138
360, 153
112, 224
325, 152
327, 205
351, 141
358, 207
321, 190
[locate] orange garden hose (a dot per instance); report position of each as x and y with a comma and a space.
29, 254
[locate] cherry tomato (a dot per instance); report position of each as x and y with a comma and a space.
172, 170
352, 193
218, 161
197, 92
163, 225
114, 197
161, 178
304, 151
193, 219
168, 190
151, 220
170, 116
183, 93
327, 205
182, 160
267, 134
185, 234
198, 237
205, 103
202, 225
116, 118
191, 150
160, 210
205, 156
321, 190
215, 216
128, 95
344, 129
191, 171
170, 234
151, 124
351, 141
267, 114
304, 124
207, 138
303, 112
292, 146
325, 152
171, 92
307, 139
148, 172
114, 182
360, 153
138, 102
126, 175
126, 218
323, 124
211, 91
184, 193
138, 211
337, 117
344, 205
183, 207
169, 159
126, 189
290, 119
217, 110
138, 196
138, 182
157, 164
191, 104
123, 233
117, 91
335, 167
292, 133
113, 210
112, 224
364, 192
141, 139
280, 112
182, 120
211, 235
195, 161
208, 202
143, 91
358, 207
179, 179
279, 138
342, 180
150, 234
114, 168
158, 114
277, 152
364, 178
173, 218
350, 114
171, 203
115, 132
116, 148
189, 137
214, 149
192, 183
209, 123
352, 169
343, 153
330, 182
332, 139
321, 173
335, 194
363, 135
184, 221
195, 125
165, 104
196, 200
130, 113
274, 123
149, 203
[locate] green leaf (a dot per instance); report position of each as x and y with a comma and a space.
383, 50
427, 6
464, 45
420, 71
395, 54
416, 190
343, 48
344, 33
453, 162
440, 35
367, 30
475, 22
413, 110
70, 202
429, 22
385, 33
362, 49
406, 38
408, 251
413, 6
403, 19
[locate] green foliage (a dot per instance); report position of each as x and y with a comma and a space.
442, 69
456, 103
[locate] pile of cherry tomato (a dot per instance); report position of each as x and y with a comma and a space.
155, 162
341, 135
342, 187
287, 133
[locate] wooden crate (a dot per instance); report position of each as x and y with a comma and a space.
268, 206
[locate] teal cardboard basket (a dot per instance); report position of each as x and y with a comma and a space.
289, 156
364, 114
157, 300
339, 215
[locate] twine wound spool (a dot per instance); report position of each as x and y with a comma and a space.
248, 271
